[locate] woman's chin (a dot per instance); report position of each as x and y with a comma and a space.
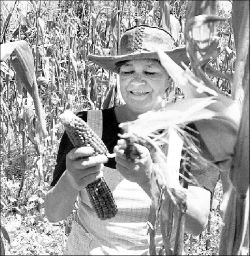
140, 109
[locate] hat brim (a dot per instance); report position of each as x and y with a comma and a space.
110, 62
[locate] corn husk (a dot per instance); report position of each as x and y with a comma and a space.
166, 138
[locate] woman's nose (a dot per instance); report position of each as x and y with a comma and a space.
138, 79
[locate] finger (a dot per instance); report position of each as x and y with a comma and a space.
124, 163
143, 151
80, 152
89, 162
94, 160
81, 173
119, 152
122, 143
130, 169
84, 177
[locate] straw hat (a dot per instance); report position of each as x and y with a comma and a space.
142, 42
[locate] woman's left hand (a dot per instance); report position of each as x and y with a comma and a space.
137, 170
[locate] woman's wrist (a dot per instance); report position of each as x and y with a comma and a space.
73, 186
63, 195
146, 186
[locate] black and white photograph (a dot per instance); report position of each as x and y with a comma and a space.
124, 127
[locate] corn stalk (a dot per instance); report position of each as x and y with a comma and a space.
201, 39
235, 232
3, 236
6, 24
201, 47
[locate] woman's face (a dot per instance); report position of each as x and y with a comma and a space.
143, 84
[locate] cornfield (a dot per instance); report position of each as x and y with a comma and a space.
45, 70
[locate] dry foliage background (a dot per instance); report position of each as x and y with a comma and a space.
61, 34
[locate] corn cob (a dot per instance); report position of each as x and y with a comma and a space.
102, 199
81, 134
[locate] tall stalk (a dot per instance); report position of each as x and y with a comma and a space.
118, 25
235, 232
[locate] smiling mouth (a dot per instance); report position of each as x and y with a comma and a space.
138, 93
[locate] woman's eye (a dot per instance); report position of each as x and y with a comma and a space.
127, 72
148, 73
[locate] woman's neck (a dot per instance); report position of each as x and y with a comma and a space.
124, 114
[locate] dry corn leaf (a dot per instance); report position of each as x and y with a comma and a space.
73, 60
184, 79
41, 24
179, 113
23, 63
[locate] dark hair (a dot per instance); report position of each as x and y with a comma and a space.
119, 64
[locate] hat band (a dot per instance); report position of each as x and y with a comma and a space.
138, 39
133, 42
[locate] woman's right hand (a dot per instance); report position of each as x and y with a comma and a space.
82, 167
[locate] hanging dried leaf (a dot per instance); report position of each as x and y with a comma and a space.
22, 60
41, 24
93, 89
175, 27
113, 20
6, 70
165, 15
201, 39
185, 80
5, 233
73, 60
109, 99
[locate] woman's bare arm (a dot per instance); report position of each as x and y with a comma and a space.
60, 200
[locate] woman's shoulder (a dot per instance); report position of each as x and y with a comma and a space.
110, 132
108, 114
110, 124
83, 114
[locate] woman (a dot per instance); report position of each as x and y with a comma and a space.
143, 86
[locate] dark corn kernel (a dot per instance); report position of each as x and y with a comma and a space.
102, 199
